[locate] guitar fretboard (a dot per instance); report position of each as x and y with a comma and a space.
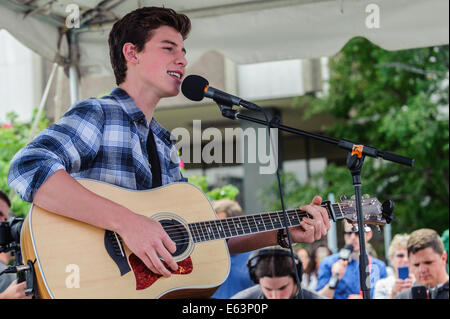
251, 224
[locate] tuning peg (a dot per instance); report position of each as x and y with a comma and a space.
343, 198
388, 208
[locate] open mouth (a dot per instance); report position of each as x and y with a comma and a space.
176, 75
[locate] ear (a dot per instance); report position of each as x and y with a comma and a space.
444, 257
129, 52
369, 235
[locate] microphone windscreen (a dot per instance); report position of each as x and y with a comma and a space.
346, 252
349, 247
193, 87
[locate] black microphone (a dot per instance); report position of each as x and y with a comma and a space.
196, 87
344, 254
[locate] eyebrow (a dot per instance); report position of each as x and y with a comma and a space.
174, 44
279, 288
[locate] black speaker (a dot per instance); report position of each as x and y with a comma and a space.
254, 259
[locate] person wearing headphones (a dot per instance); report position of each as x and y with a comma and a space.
272, 271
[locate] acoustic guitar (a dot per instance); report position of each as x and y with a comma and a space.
75, 260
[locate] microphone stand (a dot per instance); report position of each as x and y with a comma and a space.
228, 112
355, 160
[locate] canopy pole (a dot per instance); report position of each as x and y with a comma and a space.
38, 114
74, 78
74, 81
42, 104
332, 241
387, 241
58, 93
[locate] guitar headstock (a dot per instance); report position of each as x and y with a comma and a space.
374, 213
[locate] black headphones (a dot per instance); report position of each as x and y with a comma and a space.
254, 259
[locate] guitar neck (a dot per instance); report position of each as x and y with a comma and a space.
252, 224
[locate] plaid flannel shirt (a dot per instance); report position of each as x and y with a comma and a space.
99, 138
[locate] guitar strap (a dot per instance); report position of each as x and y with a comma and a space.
153, 159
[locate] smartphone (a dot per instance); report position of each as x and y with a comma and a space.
419, 292
403, 272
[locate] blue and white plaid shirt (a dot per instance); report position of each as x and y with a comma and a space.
99, 138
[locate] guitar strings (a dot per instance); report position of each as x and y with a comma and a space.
259, 216
204, 235
240, 221
186, 234
243, 223
180, 233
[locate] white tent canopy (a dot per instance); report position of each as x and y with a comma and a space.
245, 31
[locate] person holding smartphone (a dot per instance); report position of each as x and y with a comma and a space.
401, 279
428, 262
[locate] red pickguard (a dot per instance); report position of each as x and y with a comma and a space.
145, 277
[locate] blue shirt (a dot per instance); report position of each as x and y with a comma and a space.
99, 138
238, 279
350, 282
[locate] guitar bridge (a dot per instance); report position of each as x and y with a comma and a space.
114, 247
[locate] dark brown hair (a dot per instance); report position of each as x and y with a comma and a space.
424, 238
136, 27
274, 266
5, 198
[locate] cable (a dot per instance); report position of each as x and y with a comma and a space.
297, 279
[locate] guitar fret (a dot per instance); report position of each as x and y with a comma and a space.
214, 230
193, 233
267, 222
252, 224
283, 222
275, 221
300, 214
340, 210
210, 230
199, 232
281, 218
245, 225
226, 228
232, 227
259, 223
204, 229
237, 222
220, 229
293, 218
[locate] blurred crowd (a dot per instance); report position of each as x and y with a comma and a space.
417, 267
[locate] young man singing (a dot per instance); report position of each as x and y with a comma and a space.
106, 139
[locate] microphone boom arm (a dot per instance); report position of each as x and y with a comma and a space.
228, 112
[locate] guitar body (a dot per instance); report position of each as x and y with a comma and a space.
72, 261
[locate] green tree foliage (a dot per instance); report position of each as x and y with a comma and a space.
395, 101
227, 191
13, 136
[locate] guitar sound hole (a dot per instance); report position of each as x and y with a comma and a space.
178, 233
